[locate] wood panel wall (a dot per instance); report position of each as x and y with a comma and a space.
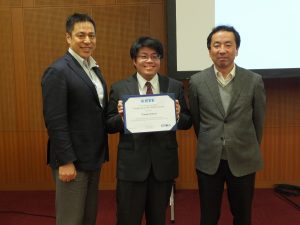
33, 35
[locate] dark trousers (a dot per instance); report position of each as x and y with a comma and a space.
136, 198
240, 194
76, 201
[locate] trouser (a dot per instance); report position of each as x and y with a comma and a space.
239, 192
76, 201
150, 196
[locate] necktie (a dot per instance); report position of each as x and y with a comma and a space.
149, 88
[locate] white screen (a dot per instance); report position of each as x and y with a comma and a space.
269, 30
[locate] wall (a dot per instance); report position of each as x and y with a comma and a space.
33, 35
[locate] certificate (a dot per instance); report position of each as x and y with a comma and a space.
149, 113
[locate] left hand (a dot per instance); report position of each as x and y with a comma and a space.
120, 108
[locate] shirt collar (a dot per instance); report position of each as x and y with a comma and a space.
142, 81
228, 78
232, 72
90, 63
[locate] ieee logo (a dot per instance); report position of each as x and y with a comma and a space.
147, 100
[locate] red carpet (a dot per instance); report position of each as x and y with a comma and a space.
37, 208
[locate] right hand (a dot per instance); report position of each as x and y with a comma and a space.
67, 172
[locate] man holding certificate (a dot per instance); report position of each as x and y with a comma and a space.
146, 109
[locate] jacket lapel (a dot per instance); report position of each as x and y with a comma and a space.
213, 87
238, 85
163, 84
100, 76
78, 70
132, 85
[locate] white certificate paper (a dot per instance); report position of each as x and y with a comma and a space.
149, 113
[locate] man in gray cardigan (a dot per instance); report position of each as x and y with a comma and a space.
227, 104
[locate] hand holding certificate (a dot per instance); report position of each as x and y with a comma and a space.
149, 113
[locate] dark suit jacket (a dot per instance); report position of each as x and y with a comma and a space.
241, 126
138, 153
73, 116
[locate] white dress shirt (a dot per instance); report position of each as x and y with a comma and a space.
142, 84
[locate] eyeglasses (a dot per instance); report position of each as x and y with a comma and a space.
147, 57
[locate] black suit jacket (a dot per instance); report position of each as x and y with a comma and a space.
138, 153
73, 116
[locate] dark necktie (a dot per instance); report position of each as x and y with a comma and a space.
149, 88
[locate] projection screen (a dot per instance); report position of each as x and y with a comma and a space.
269, 31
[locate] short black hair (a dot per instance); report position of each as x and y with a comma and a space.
149, 42
77, 18
224, 28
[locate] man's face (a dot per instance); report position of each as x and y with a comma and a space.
147, 63
223, 50
82, 40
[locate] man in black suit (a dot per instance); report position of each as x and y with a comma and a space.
147, 162
74, 100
